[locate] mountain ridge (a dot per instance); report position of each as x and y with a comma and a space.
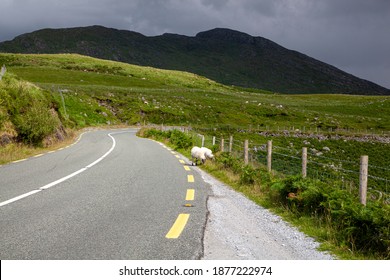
224, 55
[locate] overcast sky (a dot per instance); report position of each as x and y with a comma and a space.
353, 35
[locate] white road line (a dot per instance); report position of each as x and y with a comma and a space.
52, 184
19, 197
106, 154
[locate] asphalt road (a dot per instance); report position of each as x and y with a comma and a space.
111, 195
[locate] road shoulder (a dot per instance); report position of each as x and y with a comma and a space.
237, 228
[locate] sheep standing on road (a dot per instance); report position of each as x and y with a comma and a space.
197, 154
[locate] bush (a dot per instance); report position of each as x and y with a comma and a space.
176, 137
180, 139
35, 124
362, 228
248, 175
229, 162
29, 109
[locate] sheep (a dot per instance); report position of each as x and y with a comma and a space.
197, 153
207, 152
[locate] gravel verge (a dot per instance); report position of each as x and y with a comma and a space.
239, 229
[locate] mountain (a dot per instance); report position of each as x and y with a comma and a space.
227, 56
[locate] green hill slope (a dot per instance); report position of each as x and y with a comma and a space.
96, 92
227, 56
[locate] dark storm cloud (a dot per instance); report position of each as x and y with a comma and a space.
350, 34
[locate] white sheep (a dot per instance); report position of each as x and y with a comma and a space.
197, 153
207, 152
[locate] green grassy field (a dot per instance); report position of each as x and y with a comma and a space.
132, 94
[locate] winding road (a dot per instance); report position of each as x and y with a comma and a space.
111, 195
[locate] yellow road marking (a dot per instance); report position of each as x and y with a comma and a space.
187, 168
182, 161
39, 155
173, 153
190, 178
177, 156
190, 194
178, 226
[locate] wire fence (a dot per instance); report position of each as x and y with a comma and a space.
312, 131
289, 161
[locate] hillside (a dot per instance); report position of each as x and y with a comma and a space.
226, 56
97, 92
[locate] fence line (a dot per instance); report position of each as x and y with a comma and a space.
298, 129
277, 158
281, 161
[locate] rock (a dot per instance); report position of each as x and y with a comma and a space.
5, 139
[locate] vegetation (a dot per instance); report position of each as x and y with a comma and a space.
331, 214
114, 92
26, 112
44, 97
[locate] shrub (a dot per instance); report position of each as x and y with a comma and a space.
35, 124
362, 228
228, 161
176, 137
180, 139
248, 175
29, 109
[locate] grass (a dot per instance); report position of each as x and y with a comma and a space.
17, 151
148, 95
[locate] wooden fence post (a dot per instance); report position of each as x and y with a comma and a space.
2, 72
202, 140
304, 162
363, 178
222, 145
213, 140
246, 158
231, 144
269, 155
